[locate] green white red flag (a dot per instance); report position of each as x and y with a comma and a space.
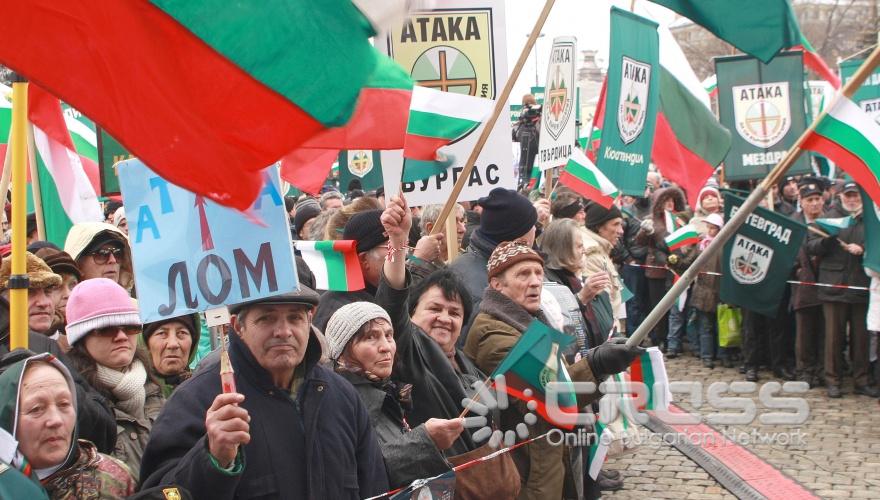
533, 362
334, 263
760, 28
437, 119
595, 138
851, 139
249, 81
710, 84
587, 180
650, 370
684, 236
598, 449
833, 225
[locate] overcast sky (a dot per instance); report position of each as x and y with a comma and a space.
587, 20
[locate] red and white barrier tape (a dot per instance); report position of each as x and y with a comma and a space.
793, 282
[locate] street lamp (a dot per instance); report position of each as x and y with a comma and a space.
535, 54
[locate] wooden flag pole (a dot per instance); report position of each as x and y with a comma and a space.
35, 183
500, 105
451, 237
747, 207
18, 282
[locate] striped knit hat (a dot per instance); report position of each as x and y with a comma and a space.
509, 253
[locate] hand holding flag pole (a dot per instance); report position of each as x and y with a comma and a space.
749, 205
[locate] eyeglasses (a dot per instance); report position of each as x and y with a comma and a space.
111, 331
102, 256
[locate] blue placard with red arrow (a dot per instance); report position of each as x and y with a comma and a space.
191, 254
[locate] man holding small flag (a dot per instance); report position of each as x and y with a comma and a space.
510, 314
842, 264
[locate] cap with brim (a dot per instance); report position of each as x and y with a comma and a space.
304, 296
809, 186
850, 187
101, 239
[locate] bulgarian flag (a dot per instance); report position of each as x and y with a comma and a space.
437, 119
334, 264
378, 123
851, 139
833, 226
649, 369
688, 142
684, 236
534, 179
595, 138
710, 84
673, 222
66, 164
534, 361
248, 81
760, 28
587, 180
681, 301
598, 449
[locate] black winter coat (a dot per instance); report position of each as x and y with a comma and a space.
409, 454
839, 267
94, 419
437, 388
806, 268
471, 269
341, 458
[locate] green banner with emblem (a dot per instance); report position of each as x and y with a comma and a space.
765, 104
871, 216
110, 152
631, 102
364, 166
758, 259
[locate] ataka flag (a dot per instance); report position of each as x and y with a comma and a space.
533, 362
871, 217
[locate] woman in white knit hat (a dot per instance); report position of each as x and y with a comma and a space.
102, 328
361, 344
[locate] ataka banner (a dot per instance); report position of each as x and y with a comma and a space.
459, 48
558, 116
632, 102
191, 254
868, 95
758, 259
871, 216
764, 106
360, 166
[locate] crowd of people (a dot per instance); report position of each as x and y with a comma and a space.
352, 394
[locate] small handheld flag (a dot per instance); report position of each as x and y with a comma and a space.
833, 226
682, 237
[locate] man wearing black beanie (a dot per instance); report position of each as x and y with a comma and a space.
507, 216
366, 229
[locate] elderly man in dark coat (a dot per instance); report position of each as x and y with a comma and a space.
512, 301
293, 430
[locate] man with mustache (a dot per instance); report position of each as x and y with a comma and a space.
293, 429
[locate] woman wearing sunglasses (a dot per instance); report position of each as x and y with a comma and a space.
101, 251
103, 327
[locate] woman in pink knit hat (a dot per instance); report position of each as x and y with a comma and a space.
102, 328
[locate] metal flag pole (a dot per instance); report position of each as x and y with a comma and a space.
500, 105
18, 281
747, 207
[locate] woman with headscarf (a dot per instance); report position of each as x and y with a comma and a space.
361, 345
39, 412
172, 344
103, 327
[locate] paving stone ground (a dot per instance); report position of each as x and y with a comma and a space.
835, 453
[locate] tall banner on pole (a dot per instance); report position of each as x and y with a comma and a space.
559, 113
459, 48
764, 104
632, 100
191, 254
868, 95
758, 259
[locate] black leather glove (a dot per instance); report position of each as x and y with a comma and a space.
612, 357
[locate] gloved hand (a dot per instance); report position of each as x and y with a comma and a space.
647, 226
612, 357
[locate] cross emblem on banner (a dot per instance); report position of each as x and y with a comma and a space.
444, 82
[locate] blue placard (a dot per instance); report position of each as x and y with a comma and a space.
191, 254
